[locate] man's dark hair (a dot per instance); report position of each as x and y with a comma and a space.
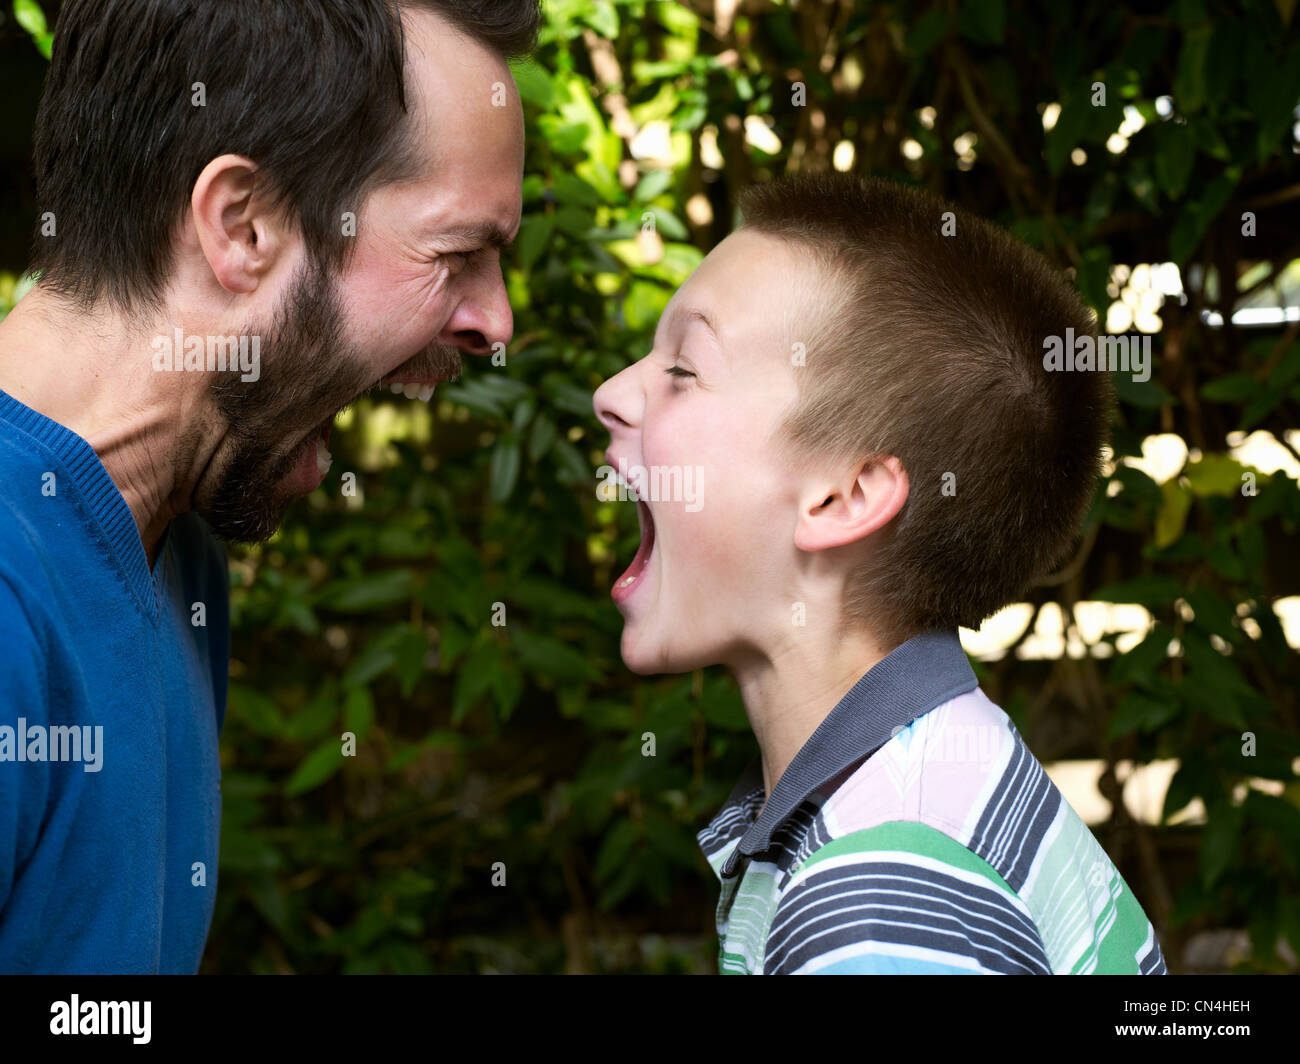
311, 90
929, 346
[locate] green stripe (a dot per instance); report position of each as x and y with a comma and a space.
1118, 952
910, 836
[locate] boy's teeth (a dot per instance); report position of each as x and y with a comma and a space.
323, 458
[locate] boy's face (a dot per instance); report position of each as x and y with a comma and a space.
694, 427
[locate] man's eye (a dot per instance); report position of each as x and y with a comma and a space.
677, 371
460, 259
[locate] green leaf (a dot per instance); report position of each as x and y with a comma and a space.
543, 655
1275, 813
475, 678
1215, 474
927, 31
1145, 661
571, 190
1063, 137
534, 83
367, 593
1197, 216
504, 470
616, 849
28, 14
1147, 394
540, 437
1259, 408
1194, 778
983, 21
1287, 369
254, 710
645, 302
1139, 486
1138, 712
1233, 388
1213, 614
1189, 82
603, 18
410, 649
652, 184
318, 766
1153, 591
358, 712
375, 659
1251, 547
535, 233
1176, 501
1219, 841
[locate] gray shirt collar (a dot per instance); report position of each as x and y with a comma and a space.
926, 671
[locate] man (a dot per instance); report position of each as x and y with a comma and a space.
250, 213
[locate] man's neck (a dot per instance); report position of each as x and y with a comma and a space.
788, 692
92, 375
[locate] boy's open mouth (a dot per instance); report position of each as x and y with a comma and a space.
626, 584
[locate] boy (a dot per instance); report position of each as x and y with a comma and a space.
854, 383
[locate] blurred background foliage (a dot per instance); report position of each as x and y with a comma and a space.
484, 746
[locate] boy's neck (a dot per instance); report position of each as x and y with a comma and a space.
788, 694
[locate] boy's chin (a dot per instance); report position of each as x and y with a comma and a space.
650, 657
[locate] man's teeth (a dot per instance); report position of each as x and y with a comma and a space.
423, 392
323, 458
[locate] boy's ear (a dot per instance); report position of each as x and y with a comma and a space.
238, 236
835, 515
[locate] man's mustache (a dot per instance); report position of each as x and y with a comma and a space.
435, 364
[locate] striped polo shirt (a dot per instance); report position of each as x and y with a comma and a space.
914, 833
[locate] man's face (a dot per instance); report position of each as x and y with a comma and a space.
423, 284
714, 577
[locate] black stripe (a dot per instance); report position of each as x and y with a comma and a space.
1004, 829
843, 913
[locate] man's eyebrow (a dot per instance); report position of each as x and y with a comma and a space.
485, 234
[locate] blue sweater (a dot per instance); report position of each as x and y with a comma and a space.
111, 700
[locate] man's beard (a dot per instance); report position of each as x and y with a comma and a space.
309, 371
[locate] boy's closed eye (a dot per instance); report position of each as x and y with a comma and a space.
678, 371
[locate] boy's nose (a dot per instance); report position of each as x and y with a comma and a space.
615, 402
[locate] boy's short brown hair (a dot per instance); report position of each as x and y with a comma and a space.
930, 348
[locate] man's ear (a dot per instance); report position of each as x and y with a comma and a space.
239, 237
835, 515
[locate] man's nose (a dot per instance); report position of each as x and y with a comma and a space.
483, 319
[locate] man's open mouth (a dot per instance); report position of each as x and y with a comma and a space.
314, 447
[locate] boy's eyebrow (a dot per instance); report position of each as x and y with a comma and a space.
689, 314
696, 314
